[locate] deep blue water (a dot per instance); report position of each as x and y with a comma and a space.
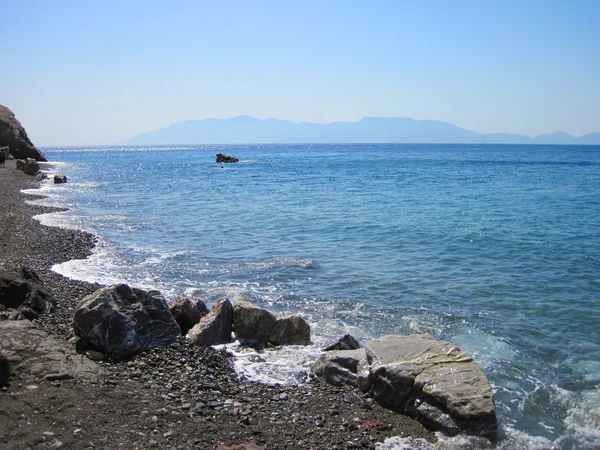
496, 248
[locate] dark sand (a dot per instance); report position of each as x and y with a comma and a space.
177, 397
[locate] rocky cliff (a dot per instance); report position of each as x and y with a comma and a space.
13, 135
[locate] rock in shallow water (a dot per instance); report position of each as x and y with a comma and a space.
188, 312
215, 327
346, 342
419, 375
406, 371
121, 321
257, 324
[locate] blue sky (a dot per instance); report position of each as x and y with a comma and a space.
87, 72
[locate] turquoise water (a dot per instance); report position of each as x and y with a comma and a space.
496, 248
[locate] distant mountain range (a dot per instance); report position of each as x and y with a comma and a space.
248, 130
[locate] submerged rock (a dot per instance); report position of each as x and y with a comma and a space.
256, 324
13, 135
221, 158
120, 321
59, 179
215, 327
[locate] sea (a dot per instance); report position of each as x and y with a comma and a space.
493, 247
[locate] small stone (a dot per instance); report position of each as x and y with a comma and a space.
245, 420
48, 434
94, 355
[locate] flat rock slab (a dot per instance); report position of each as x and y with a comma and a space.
35, 355
408, 371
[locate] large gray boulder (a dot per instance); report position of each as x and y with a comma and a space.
434, 381
339, 367
256, 324
120, 321
13, 135
215, 327
188, 312
21, 289
31, 167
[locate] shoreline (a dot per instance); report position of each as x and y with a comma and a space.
168, 397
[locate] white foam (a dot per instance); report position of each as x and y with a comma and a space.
459, 442
287, 364
583, 421
516, 439
588, 368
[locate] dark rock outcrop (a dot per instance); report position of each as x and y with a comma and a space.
120, 321
346, 342
221, 158
35, 355
59, 179
188, 312
22, 290
215, 327
13, 135
256, 324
